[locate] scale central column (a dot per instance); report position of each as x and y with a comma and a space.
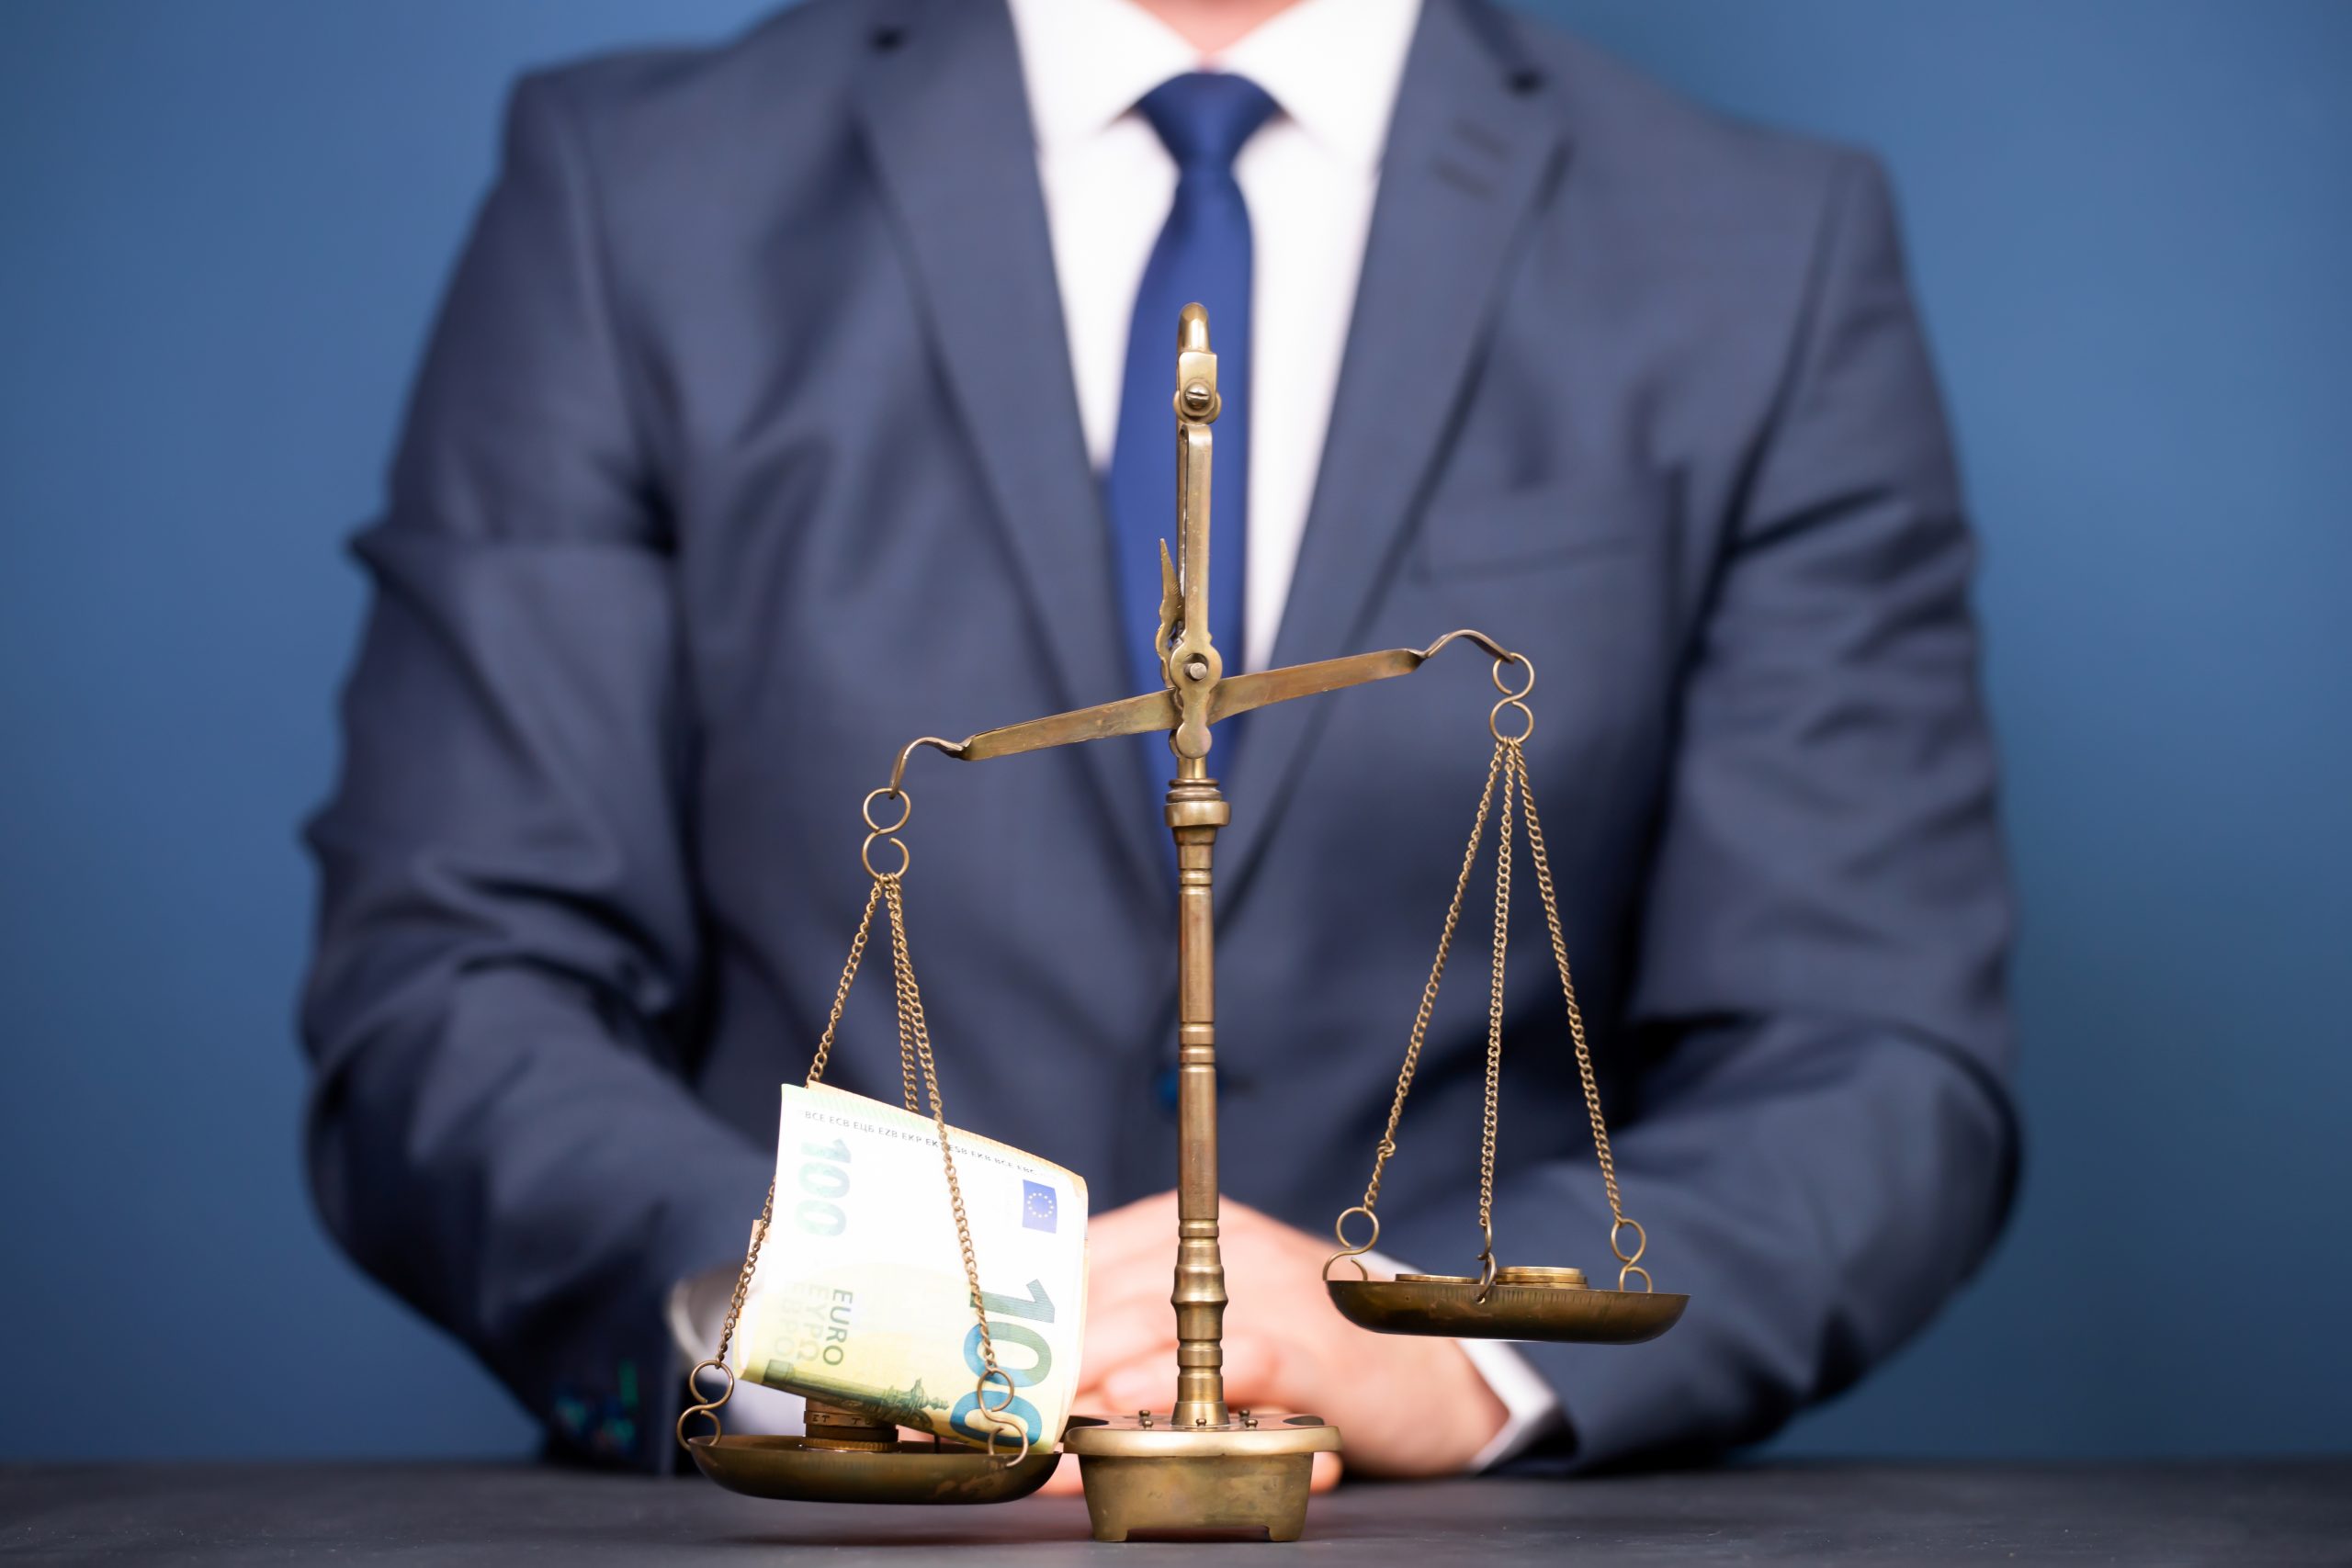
1195, 811
1205, 1468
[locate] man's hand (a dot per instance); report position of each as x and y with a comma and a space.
1405, 1405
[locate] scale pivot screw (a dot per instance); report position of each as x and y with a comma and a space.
1198, 669
1196, 397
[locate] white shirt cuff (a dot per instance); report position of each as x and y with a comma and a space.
1530, 1409
696, 1311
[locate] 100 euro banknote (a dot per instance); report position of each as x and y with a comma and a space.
860, 1293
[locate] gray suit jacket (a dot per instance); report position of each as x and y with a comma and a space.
746, 449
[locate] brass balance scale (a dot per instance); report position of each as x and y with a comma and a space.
1202, 1465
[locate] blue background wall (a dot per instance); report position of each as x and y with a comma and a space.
222, 229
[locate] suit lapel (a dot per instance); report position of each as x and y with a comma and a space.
942, 108
1473, 146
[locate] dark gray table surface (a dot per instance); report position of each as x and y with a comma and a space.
2287, 1512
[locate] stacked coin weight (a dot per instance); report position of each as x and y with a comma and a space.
848, 1427
1558, 1279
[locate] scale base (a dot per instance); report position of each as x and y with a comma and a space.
1144, 1476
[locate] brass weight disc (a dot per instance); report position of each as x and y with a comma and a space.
788, 1468
1560, 1312
1525, 1274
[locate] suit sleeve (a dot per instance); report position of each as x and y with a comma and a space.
1816, 1126
508, 958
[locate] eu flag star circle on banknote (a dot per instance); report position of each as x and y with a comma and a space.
1036, 1206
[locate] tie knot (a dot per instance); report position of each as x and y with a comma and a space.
1204, 116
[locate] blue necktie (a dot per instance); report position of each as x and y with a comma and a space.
1203, 253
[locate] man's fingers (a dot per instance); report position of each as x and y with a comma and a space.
1267, 1374
1258, 1371
1238, 1211
1264, 1373
1145, 1231
1130, 1334
1146, 1383
1134, 1232
1127, 1333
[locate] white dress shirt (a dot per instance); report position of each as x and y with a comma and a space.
1309, 177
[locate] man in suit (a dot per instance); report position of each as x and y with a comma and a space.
801, 396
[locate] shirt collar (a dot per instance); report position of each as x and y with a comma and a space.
1332, 66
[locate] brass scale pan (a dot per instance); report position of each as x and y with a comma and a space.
794, 1470
1553, 1304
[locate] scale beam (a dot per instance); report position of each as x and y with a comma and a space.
1155, 712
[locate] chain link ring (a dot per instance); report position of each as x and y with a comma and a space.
1349, 1249
706, 1407
1513, 699
866, 853
980, 1396
906, 800
1497, 675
